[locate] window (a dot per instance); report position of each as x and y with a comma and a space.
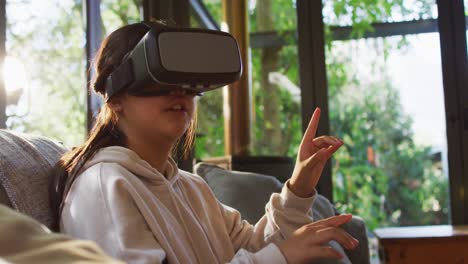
386, 102
45, 65
275, 80
42, 39
276, 124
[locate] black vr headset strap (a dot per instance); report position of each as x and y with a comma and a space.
120, 78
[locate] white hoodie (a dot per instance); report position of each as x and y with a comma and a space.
139, 215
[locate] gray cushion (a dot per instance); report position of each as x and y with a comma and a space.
4, 199
235, 188
26, 162
240, 190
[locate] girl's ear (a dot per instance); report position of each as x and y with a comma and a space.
115, 104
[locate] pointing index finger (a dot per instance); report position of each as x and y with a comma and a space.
312, 127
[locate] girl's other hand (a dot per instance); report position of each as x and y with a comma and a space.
308, 242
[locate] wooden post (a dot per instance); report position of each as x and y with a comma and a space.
93, 40
452, 30
237, 96
174, 11
3, 95
313, 76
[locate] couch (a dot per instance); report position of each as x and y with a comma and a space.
26, 162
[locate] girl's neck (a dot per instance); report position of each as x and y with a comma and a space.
155, 153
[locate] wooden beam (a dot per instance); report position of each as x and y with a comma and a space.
3, 95
452, 32
174, 11
313, 77
237, 96
93, 40
274, 39
388, 29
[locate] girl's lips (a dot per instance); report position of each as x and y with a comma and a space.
177, 108
178, 105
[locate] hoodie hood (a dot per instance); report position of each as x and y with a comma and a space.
130, 160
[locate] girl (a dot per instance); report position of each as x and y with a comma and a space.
122, 189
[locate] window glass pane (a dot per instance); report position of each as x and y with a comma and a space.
275, 80
116, 13
210, 125
43, 39
45, 65
390, 113
387, 104
276, 124
215, 8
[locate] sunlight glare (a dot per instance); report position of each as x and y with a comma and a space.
15, 75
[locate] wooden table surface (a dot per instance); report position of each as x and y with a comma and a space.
423, 244
415, 232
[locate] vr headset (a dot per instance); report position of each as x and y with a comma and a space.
169, 58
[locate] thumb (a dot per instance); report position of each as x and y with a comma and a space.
320, 156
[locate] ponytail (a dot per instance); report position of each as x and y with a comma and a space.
103, 134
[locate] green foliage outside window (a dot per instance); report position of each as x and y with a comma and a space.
48, 38
51, 45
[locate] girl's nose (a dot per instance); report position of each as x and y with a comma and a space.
178, 91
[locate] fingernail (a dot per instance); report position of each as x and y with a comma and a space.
356, 242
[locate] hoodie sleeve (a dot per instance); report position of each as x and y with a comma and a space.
269, 254
284, 213
117, 226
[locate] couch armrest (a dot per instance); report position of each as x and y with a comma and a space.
4, 200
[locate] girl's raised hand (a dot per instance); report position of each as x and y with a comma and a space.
311, 159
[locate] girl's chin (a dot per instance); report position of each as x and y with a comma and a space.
177, 131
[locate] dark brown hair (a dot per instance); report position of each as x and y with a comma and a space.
104, 132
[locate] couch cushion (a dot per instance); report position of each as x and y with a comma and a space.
4, 199
233, 188
26, 162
